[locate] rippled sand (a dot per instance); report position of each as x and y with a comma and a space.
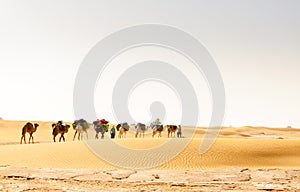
236, 149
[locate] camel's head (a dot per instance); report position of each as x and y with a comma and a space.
118, 127
36, 125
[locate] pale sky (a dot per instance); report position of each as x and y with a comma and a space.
255, 44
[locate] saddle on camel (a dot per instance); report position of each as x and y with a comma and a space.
104, 123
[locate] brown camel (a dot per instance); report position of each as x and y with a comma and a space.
157, 129
28, 128
59, 129
171, 130
122, 128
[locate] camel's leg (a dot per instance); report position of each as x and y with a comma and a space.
96, 136
87, 137
102, 135
63, 137
74, 135
54, 137
23, 137
82, 135
31, 138
136, 134
79, 133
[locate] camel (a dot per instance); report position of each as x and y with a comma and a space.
140, 130
157, 129
80, 127
61, 129
171, 130
28, 128
99, 128
122, 128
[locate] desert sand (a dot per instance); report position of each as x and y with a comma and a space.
239, 152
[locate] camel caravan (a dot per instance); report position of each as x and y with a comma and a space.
81, 129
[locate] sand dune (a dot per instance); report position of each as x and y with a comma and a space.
235, 147
243, 158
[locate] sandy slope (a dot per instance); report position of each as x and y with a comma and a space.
232, 149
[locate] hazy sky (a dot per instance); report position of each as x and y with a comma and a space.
255, 44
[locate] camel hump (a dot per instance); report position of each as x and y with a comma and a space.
160, 127
28, 124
